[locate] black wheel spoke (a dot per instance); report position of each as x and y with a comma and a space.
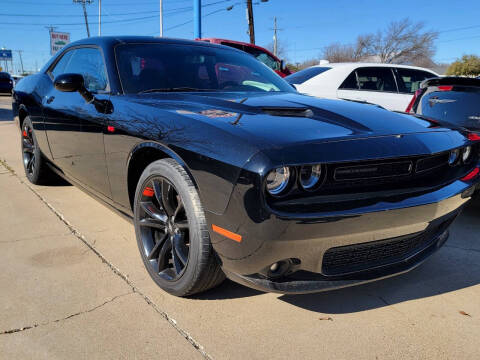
181, 224
155, 251
179, 249
163, 255
179, 207
154, 213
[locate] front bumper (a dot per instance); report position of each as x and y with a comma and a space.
302, 240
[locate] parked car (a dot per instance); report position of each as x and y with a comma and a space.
258, 52
390, 86
224, 169
454, 101
6, 83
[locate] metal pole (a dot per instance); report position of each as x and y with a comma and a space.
99, 17
86, 19
275, 36
21, 60
251, 27
161, 18
197, 19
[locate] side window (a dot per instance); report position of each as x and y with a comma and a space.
409, 80
59, 67
350, 82
89, 63
376, 79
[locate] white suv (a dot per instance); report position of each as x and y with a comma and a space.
387, 85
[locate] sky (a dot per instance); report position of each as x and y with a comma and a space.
306, 25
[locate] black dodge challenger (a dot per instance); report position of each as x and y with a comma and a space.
225, 169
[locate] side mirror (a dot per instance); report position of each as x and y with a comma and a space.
69, 82
282, 65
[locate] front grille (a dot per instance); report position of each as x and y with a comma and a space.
373, 171
365, 256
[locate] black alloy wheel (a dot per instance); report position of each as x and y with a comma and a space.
36, 168
164, 228
172, 233
29, 149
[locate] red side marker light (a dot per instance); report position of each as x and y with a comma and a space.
226, 233
445, 88
473, 137
471, 174
24, 133
110, 129
148, 192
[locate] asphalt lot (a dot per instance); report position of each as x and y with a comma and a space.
73, 285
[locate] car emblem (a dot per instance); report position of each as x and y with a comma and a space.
436, 100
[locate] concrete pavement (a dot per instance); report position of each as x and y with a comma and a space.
73, 284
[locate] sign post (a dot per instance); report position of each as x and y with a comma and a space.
6, 55
58, 40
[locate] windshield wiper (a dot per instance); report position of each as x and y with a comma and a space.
174, 89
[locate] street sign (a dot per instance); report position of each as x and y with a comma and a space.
57, 41
6, 55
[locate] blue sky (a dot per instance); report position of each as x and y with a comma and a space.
307, 25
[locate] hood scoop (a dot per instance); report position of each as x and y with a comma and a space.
288, 111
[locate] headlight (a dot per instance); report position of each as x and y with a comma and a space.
310, 176
454, 155
466, 154
277, 180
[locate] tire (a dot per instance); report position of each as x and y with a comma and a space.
34, 163
172, 233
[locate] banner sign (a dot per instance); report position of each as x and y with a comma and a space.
6, 55
57, 41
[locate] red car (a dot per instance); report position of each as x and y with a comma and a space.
258, 52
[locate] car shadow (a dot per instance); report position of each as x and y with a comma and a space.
456, 266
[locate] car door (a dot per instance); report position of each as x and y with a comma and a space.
409, 81
75, 128
374, 85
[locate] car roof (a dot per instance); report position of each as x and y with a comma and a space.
213, 40
116, 40
354, 65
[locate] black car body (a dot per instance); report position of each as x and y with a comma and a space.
454, 101
6, 83
386, 186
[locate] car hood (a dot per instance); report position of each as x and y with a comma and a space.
294, 123
289, 117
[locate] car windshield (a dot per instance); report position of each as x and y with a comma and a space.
172, 67
306, 74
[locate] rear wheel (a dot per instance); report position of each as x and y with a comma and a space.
36, 169
172, 233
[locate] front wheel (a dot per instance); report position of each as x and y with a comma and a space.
171, 231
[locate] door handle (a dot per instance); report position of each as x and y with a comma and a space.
50, 99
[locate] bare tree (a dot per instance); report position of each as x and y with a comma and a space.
403, 42
282, 49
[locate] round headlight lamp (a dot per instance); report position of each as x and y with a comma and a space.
466, 154
454, 156
278, 180
310, 176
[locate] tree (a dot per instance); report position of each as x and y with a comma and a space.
468, 65
282, 49
403, 42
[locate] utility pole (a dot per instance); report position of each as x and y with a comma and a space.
161, 18
21, 60
197, 19
99, 17
251, 27
275, 36
84, 3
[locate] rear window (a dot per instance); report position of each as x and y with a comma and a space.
306, 74
409, 80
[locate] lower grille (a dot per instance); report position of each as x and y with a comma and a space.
365, 256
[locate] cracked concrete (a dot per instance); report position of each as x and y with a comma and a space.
417, 315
